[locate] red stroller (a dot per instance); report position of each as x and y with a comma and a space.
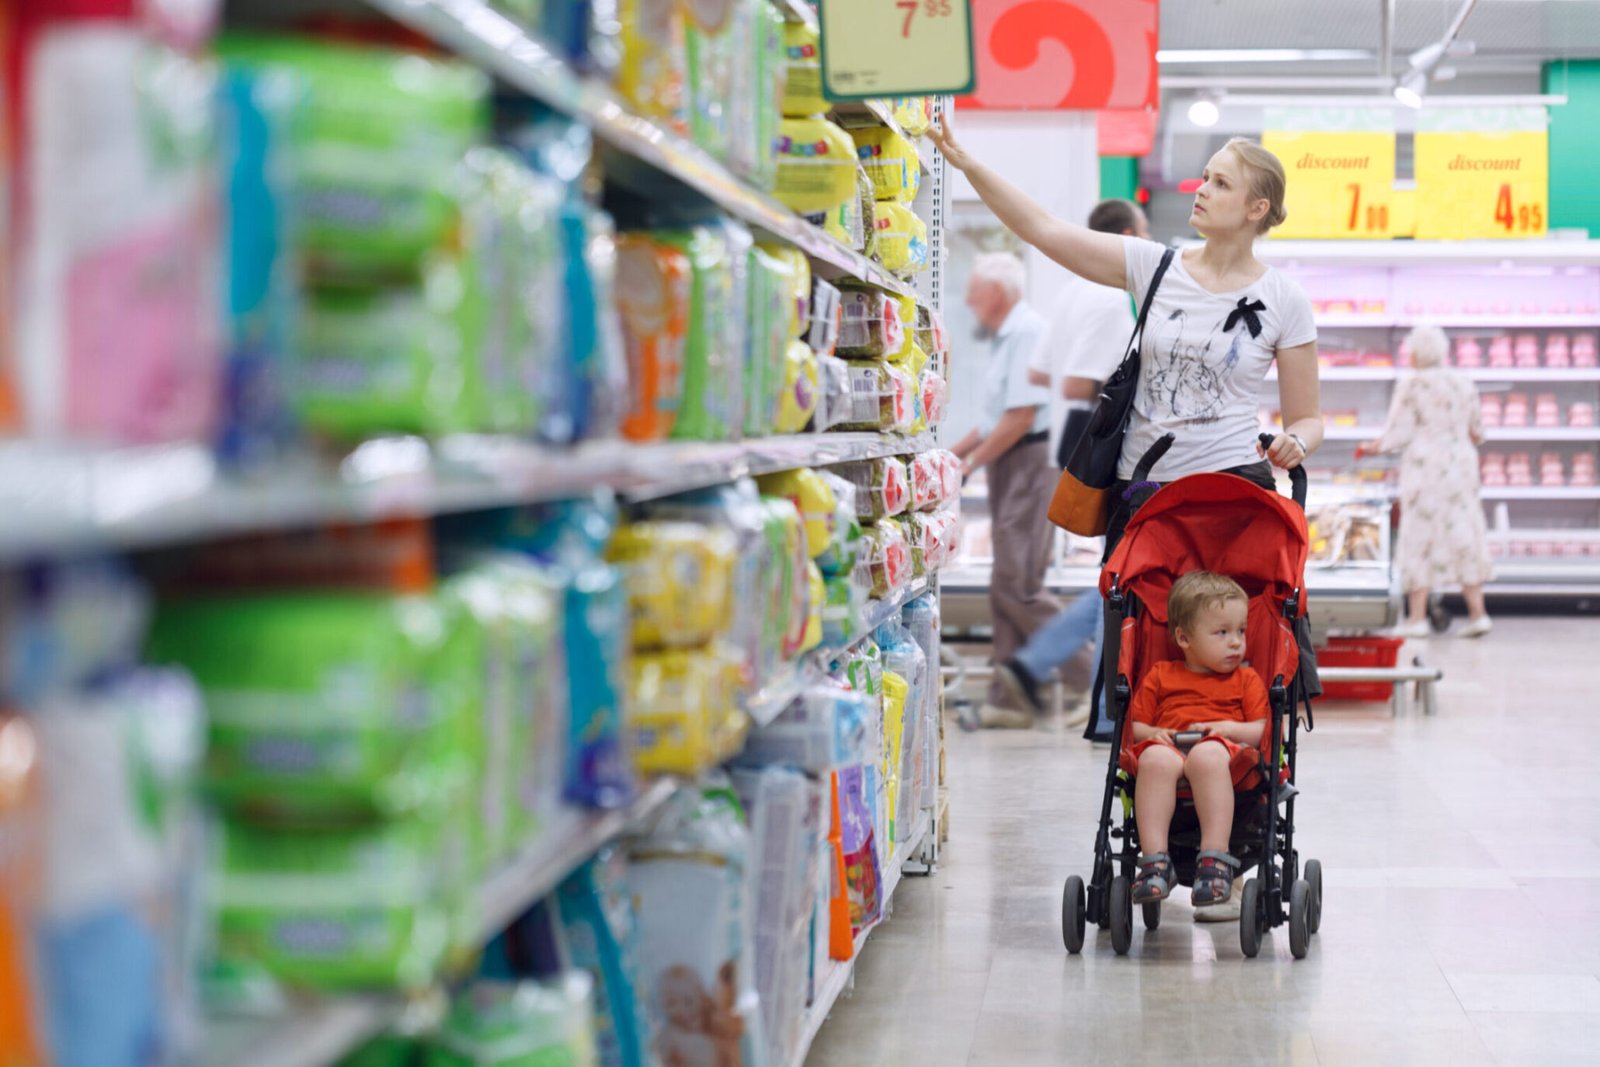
1226, 524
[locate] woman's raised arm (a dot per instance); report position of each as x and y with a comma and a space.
1097, 257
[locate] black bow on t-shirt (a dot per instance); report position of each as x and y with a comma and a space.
1245, 310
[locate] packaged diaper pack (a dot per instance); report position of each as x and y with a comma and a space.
117, 336
655, 295
679, 578
599, 934
902, 238
821, 731
870, 323
882, 486
711, 407
691, 878
862, 871
891, 163
653, 73
504, 1024
816, 165
802, 85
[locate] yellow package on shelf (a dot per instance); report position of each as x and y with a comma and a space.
812, 497
914, 114
654, 74
684, 709
802, 82
891, 162
816, 165
902, 239
799, 400
680, 581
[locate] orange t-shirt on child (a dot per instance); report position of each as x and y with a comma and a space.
1173, 697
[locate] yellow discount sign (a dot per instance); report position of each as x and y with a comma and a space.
1489, 182
873, 48
1341, 182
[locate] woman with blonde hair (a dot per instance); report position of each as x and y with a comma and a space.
1436, 425
1218, 321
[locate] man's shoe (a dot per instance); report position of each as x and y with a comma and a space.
994, 717
1078, 714
1020, 684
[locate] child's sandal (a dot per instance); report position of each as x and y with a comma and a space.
1213, 878
1156, 879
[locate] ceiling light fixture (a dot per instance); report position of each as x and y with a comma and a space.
1204, 112
1409, 91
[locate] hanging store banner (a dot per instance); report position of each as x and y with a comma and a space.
1483, 173
1340, 165
874, 48
1065, 55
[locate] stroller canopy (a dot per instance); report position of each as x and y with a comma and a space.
1220, 523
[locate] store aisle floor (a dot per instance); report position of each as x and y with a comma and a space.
1461, 924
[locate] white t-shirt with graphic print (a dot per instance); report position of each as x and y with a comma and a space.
1196, 380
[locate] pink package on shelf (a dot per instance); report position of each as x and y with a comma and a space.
1492, 410
1552, 472
1584, 350
1546, 411
1515, 414
1557, 351
118, 322
1527, 351
1500, 353
1469, 353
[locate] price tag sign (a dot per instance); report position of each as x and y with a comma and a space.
873, 48
1483, 174
1340, 166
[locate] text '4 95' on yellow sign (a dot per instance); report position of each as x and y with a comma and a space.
1341, 182
874, 48
1483, 174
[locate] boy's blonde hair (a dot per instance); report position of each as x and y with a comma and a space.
1194, 593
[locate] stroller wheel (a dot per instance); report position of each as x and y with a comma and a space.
1121, 914
1152, 915
1072, 915
1314, 878
1251, 919
1438, 615
1299, 919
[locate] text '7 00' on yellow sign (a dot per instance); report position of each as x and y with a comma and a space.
1341, 183
1493, 182
873, 48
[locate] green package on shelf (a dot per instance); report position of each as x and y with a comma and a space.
712, 404
340, 909
372, 149
523, 1024
327, 706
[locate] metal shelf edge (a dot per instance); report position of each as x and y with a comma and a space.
479, 33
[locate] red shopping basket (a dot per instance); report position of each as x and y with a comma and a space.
1359, 652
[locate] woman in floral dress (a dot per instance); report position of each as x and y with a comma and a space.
1436, 426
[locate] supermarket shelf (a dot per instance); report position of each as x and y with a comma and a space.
477, 32
1442, 253
1534, 492
1587, 535
1531, 433
798, 11
559, 850
1338, 321
87, 499
811, 669
322, 1032
311, 1036
839, 973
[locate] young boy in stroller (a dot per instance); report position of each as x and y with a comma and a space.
1207, 666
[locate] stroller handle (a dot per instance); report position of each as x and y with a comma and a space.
1297, 476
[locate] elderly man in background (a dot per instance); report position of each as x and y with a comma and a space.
1013, 441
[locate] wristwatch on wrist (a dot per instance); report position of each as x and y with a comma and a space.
1296, 439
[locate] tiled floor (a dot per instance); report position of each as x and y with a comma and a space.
1461, 923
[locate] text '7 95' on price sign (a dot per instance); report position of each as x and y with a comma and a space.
873, 48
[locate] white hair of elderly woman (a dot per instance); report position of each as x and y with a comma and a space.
1005, 269
1428, 346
